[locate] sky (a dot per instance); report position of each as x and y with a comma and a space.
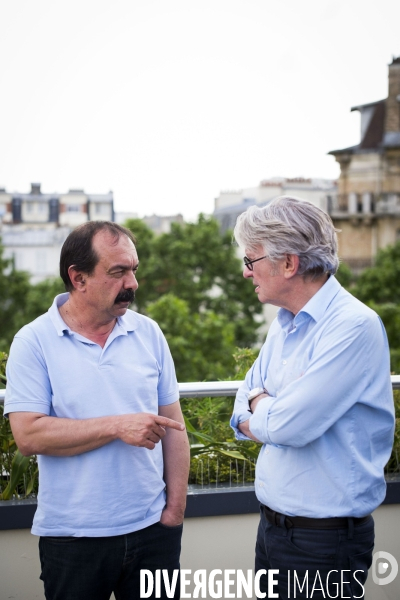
169, 102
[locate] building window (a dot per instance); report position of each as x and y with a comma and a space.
16, 210
18, 260
54, 210
73, 208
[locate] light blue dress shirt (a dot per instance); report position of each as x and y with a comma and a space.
327, 426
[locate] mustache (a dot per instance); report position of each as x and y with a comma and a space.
125, 296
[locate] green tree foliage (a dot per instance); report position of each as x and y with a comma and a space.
201, 344
39, 298
381, 282
379, 288
190, 283
20, 301
144, 240
14, 288
344, 275
197, 264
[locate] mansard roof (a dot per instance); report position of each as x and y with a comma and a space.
372, 129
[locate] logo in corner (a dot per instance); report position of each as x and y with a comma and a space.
384, 568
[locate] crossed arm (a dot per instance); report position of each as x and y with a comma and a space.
245, 426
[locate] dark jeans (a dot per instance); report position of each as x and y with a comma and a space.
83, 568
315, 563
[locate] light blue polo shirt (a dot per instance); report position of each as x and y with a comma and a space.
52, 370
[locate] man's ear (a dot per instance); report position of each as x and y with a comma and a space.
77, 278
291, 265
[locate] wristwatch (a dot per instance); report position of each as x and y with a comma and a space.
253, 394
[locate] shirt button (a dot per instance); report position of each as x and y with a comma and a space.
284, 362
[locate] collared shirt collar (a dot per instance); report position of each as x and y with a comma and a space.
315, 307
128, 322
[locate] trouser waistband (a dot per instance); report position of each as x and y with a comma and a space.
281, 520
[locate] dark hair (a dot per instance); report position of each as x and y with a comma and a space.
78, 249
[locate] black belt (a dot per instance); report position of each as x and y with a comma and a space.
280, 520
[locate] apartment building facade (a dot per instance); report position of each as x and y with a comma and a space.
230, 204
34, 225
367, 206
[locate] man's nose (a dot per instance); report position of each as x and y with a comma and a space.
247, 273
131, 281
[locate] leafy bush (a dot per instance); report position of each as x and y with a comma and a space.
18, 474
393, 465
216, 456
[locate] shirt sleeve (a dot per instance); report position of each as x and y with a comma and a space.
168, 389
241, 408
349, 364
28, 386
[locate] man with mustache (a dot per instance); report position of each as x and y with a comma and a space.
92, 391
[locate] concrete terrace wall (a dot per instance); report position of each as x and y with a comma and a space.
219, 541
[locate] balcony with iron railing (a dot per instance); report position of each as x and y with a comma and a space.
367, 205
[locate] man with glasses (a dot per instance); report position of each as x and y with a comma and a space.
91, 389
319, 399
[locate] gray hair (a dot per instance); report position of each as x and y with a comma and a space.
291, 226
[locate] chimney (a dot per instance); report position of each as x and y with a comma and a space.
392, 120
35, 188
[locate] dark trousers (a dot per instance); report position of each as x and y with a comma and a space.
83, 568
314, 563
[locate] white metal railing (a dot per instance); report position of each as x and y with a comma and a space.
204, 389
229, 388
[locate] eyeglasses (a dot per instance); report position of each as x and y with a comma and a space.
249, 263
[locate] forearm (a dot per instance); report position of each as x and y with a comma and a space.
176, 469
56, 436
40, 434
176, 454
245, 429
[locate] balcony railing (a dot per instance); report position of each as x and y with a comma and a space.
363, 205
213, 389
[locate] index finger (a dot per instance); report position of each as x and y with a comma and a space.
165, 422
